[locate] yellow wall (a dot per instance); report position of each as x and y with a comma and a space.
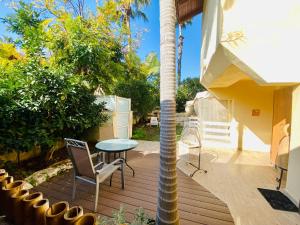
293, 178
265, 46
12, 156
253, 132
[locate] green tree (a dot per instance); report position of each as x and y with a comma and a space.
40, 105
151, 65
82, 47
26, 22
132, 9
86, 47
187, 91
167, 210
46, 88
141, 94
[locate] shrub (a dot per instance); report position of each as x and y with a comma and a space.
139, 134
41, 105
141, 94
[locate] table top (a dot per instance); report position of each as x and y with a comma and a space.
116, 145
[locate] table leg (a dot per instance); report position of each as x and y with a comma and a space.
125, 160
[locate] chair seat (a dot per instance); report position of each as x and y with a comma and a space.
190, 144
106, 171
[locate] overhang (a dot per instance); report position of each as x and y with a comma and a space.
186, 9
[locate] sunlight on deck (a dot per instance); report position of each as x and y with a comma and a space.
196, 204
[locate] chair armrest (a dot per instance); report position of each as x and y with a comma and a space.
97, 154
98, 165
119, 160
105, 172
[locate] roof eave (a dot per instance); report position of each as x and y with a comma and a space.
186, 9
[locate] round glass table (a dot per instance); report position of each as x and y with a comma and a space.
117, 146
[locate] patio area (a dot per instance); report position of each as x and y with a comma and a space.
227, 194
197, 205
234, 178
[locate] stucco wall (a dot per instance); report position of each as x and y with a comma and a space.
252, 43
293, 178
253, 132
12, 156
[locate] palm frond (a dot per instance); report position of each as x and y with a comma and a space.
139, 14
139, 4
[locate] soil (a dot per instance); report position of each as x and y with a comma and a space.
27, 167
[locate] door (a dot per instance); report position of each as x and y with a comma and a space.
123, 118
282, 106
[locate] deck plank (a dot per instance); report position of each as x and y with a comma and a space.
196, 204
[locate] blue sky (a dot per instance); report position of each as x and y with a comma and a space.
150, 37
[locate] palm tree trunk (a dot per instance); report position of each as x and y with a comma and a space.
167, 212
128, 25
180, 50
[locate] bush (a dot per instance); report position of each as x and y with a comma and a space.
40, 106
141, 94
139, 134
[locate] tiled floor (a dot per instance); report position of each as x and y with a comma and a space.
234, 178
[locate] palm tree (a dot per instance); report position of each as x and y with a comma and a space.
167, 212
181, 26
132, 9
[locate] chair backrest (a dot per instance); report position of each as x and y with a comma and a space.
191, 133
80, 156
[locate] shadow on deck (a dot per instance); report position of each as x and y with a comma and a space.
196, 204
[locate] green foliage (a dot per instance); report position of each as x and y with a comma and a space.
148, 133
50, 69
40, 105
81, 46
187, 91
141, 84
152, 66
141, 94
139, 134
88, 47
26, 23
140, 218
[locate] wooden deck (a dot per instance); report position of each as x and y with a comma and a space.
196, 204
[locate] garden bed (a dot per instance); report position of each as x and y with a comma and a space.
28, 167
